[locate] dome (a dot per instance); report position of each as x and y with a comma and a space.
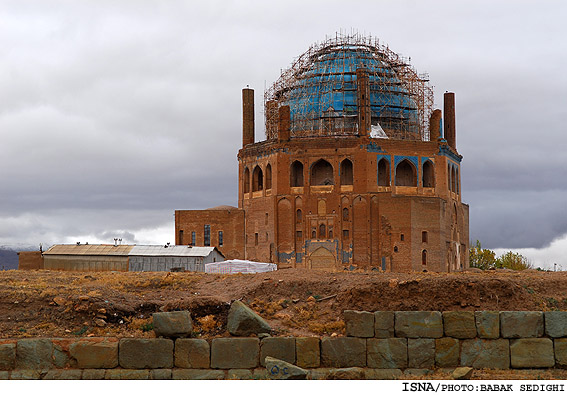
321, 90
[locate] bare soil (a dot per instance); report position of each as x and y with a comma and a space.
294, 302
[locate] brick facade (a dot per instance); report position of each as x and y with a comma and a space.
343, 200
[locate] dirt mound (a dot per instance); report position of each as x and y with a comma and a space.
298, 302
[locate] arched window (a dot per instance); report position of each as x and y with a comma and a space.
296, 174
268, 177
298, 215
454, 180
345, 214
313, 234
246, 180
405, 174
457, 188
257, 179
383, 172
424, 257
322, 174
346, 172
322, 231
428, 174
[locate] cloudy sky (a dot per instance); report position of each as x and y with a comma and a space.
115, 113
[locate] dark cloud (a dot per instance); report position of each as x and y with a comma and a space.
114, 114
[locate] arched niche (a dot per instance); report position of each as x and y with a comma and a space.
246, 180
384, 172
257, 179
322, 174
406, 174
428, 178
346, 172
296, 174
268, 177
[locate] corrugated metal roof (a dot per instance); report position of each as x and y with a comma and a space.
158, 250
90, 250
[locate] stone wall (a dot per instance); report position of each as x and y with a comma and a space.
378, 345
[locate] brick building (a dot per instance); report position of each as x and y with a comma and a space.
357, 169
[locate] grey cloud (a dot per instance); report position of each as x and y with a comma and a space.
114, 114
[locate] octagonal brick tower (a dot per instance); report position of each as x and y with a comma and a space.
354, 170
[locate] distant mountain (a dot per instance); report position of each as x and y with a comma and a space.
9, 256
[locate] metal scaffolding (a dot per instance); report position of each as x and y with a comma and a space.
321, 89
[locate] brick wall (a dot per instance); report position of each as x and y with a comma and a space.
378, 345
30, 260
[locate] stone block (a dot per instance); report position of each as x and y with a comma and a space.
239, 374
278, 348
418, 324
227, 353
487, 324
532, 353
359, 324
384, 324
382, 374
4, 375
160, 374
192, 353
556, 324
349, 373
482, 353
282, 370
95, 354
520, 324
61, 357
308, 352
417, 372
32, 354
462, 373
56, 374
121, 374
172, 324
421, 352
318, 373
93, 374
560, 349
7, 356
459, 324
343, 352
387, 353
447, 352
145, 353
243, 321
259, 374
25, 375
197, 374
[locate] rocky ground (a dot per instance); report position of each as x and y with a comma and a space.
294, 302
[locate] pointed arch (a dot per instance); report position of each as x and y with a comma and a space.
384, 172
246, 180
257, 179
453, 179
406, 174
322, 173
347, 173
268, 177
428, 179
296, 174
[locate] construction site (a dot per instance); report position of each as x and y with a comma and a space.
357, 170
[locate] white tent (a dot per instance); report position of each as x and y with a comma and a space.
239, 266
